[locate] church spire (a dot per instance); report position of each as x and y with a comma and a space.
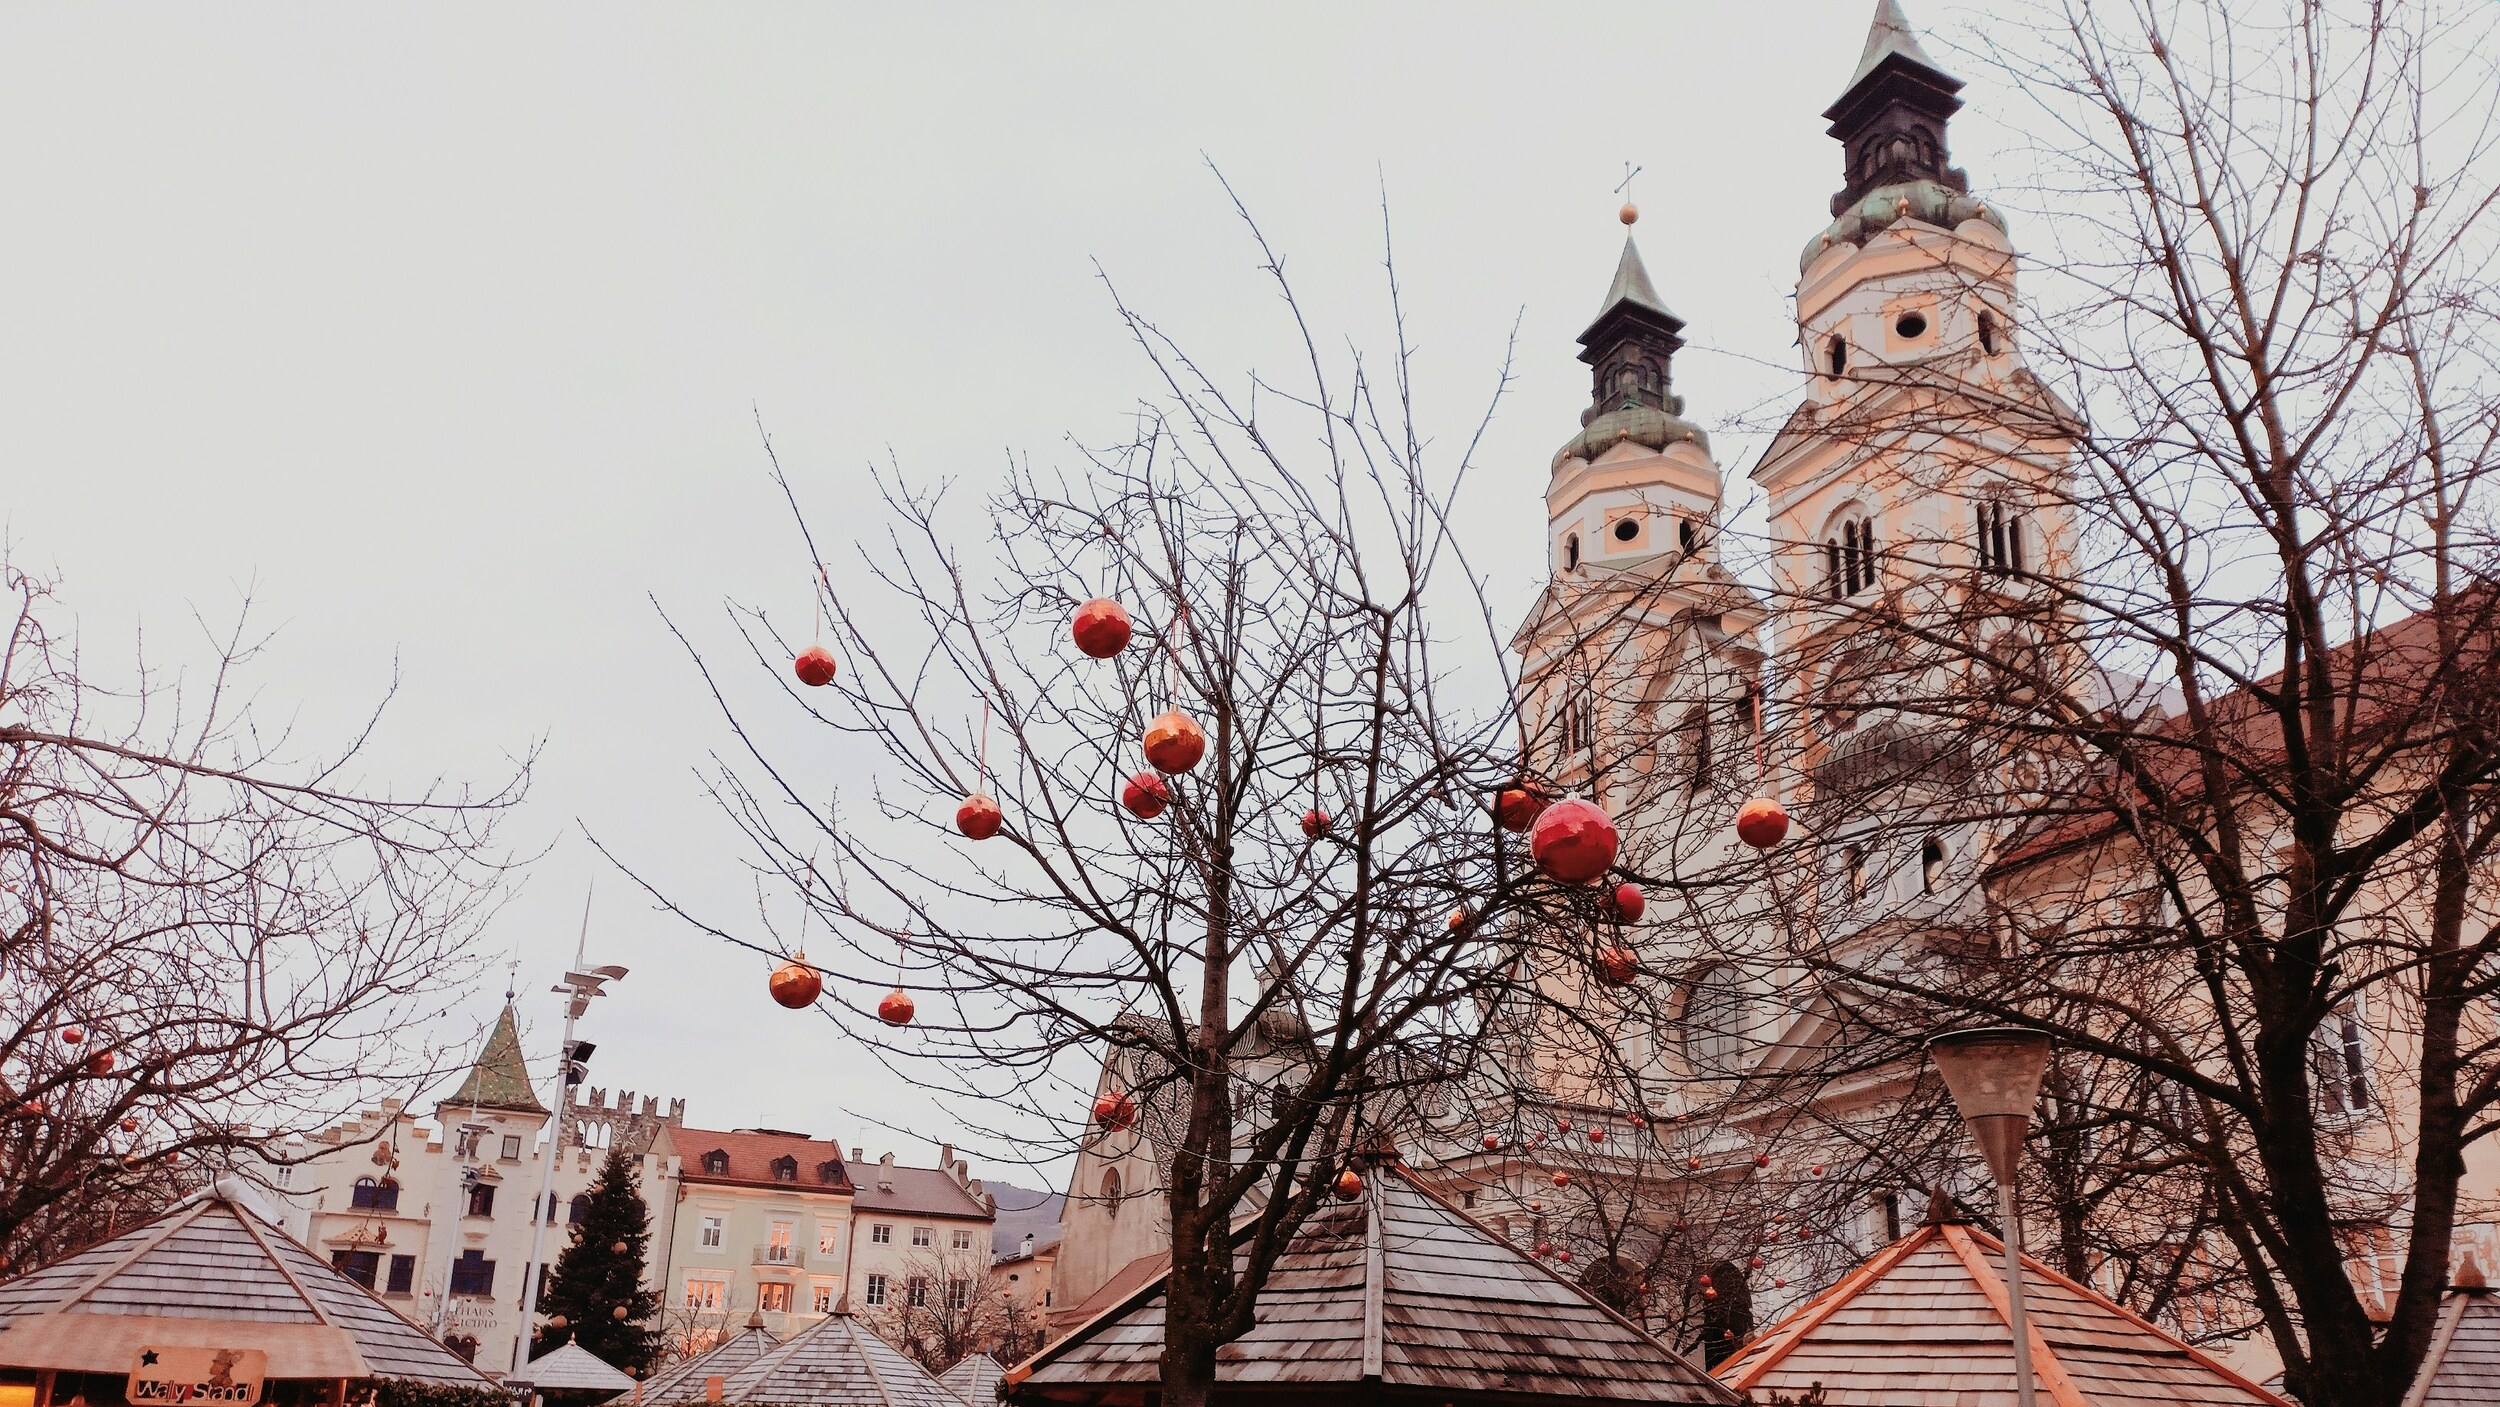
1891, 120
500, 1078
1631, 344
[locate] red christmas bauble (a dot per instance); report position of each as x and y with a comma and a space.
32, 1108
896, 1009
72, 1035
1115, 1110
617, 1313
1679, 1223
1756, 1262
1630, 903
1174, 742
1597, 1135
1562, 1179
814, 666
1517, 807
1562, 1126
1762, 1160
1349, 1185
1779, 1284
130, 1126
1545, 1248
1314, 824
1101, 627
1818, 1169
1492, 1141
100, 1064
1563, 1256
1616, 967
979, 816
1762, 823
1574, 841
796, 985
1537, 1205
1638, 1122
1458, 919
1145, 796
1693, 1163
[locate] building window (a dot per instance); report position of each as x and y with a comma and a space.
703, 1292
1697, 758
282, 1175
958, 1293
828, 1237
1111, 1192
923, 1237
880, 1234
829, 1172
1717, 1017
876, 1289
2000, 539
785, 1169
482, 1199
1853, 872
1687, 537
2343, 1062
916, 1292
371, 1196
1578, 722
512, 1147
716, 1163
1571, 552
1987, 332
1930, 869
962, 1240
577, 1209
363, 1267
473, 1276
773, 1297
1849, 559
403, 1275
777, 1250
712, 1232
1836, 354
824, 1299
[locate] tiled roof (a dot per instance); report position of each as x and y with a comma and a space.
575, 1369
501, 1078
683, 1380
752, 1154
975, 1379
1923, 1324
1399, 1289
837, 1362
214, 1258
2462, 1368
929, 1191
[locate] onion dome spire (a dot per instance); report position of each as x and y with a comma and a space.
1891, 123
1631, 344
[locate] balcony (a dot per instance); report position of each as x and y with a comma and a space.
781, 1255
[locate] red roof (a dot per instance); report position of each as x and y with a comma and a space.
815, 1164
1923, 1323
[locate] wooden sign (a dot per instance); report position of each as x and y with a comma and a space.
181, 1374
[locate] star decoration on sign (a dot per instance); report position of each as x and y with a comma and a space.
147, 1358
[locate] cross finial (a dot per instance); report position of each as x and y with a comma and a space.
1629, 212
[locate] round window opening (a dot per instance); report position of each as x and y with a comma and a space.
1910, 325
1627, 530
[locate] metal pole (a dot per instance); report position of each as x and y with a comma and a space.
546, 1189
451, 1223
2014, 1317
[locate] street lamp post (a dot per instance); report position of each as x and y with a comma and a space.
578, 987
1994, 1076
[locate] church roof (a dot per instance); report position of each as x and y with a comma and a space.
837, 1362
574, 1368
682, 1381
1923, 1324
2462, 1366
1399, 1290
500, 1079
218, 1270
1632, 283
1889, 35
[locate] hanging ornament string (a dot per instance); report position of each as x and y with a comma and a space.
981, 768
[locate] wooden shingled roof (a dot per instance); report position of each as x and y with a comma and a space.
214, 1271
683, 1380
570, 1367
1397, 1290
836, 1362
1923, 1324
2462, 1367
975, 1379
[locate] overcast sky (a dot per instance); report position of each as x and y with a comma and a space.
444, 330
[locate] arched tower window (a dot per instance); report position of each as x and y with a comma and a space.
1931, 864
1717, 1018
1571, 552
2000, 538
1987, 332
1111, 1192
1836, 355
1687, 537
1849, 559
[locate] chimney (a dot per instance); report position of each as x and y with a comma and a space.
885, 1172
1028, 1243
858, 1154
946, 1155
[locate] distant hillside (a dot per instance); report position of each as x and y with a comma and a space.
1021, 1209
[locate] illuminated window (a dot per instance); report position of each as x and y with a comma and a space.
773, 1297
704, 1293
876, 1289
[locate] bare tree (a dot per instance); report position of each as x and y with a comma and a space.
1328, 875
212, 938
944, 1311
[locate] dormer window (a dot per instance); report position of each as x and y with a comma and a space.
716, 1163
785, 1169
829, 1172
1849, 559
2000, 538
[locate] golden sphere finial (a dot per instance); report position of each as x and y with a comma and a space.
1628, 213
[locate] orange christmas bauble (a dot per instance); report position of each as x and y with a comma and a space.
979, 816
1517, 807
1174, 742
896, 1009
814, 666
1629, 903
1145, 796
1762, 823
100, 1064
1101, 628
1115, 1110
1349, 1185
1574, 841
796, 985
1617, 967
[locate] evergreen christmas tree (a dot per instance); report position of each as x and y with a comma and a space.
600, 1271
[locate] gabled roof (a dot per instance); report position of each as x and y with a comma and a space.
500, 1079
837, 1362
575, 1369
2462, 1366
975, 1379
683, 1380
1398, 1289
1923, 1324
920, 1191
752, 1154
215, 1265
